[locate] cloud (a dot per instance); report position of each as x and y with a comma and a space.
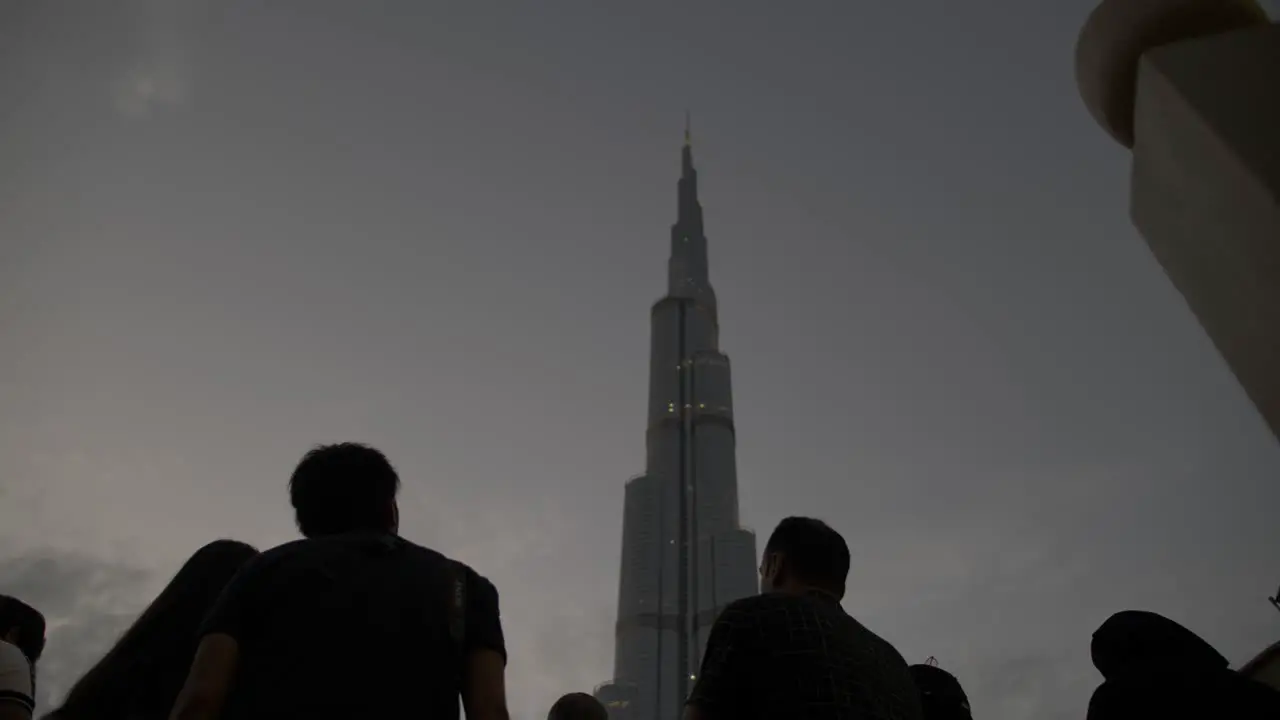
1032, 685
157, 74
146, 88
87, 603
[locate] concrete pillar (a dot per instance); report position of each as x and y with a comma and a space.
1192, 88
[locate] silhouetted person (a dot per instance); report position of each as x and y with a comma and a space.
1156, 668
577, 706
21, 643
793, 652
941, 696
139, 677
352, 621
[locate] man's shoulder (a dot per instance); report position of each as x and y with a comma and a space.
753, 603
756, 611
270, 560
888, 658
469, 573
885, 648
306, 555
766, 604
422, 553
336, 546
457, 568
285, 550
410, 558
421, 556
477, 588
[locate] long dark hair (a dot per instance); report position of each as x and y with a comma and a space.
145, 669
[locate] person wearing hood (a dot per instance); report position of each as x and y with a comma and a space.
1154, 667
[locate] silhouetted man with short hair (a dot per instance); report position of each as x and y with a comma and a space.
578, 706
793, 652
353, 621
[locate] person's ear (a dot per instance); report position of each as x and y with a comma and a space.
772, 567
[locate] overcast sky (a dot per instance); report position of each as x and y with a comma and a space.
231, 230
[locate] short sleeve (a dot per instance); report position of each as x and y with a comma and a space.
15, 677
723, 682
483, 620
238, 603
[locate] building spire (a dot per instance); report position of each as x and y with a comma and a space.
689, 208
686, 156
688, 264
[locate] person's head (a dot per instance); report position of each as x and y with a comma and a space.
344, 488
1138, 639
23, 626
161, 643
941, 696
577, 706
804, 553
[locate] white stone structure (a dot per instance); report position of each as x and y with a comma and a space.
1192, 87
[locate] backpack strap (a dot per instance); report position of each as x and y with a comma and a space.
457, 604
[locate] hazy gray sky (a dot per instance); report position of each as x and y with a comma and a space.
231, 230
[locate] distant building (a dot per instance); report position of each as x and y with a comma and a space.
684, 556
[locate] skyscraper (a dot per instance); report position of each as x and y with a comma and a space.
684, 556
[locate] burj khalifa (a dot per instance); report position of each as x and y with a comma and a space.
684, 555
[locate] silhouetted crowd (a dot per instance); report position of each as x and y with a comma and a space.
353, 621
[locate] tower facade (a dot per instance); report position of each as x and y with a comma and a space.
684, 556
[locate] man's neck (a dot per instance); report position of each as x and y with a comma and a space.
810, 590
